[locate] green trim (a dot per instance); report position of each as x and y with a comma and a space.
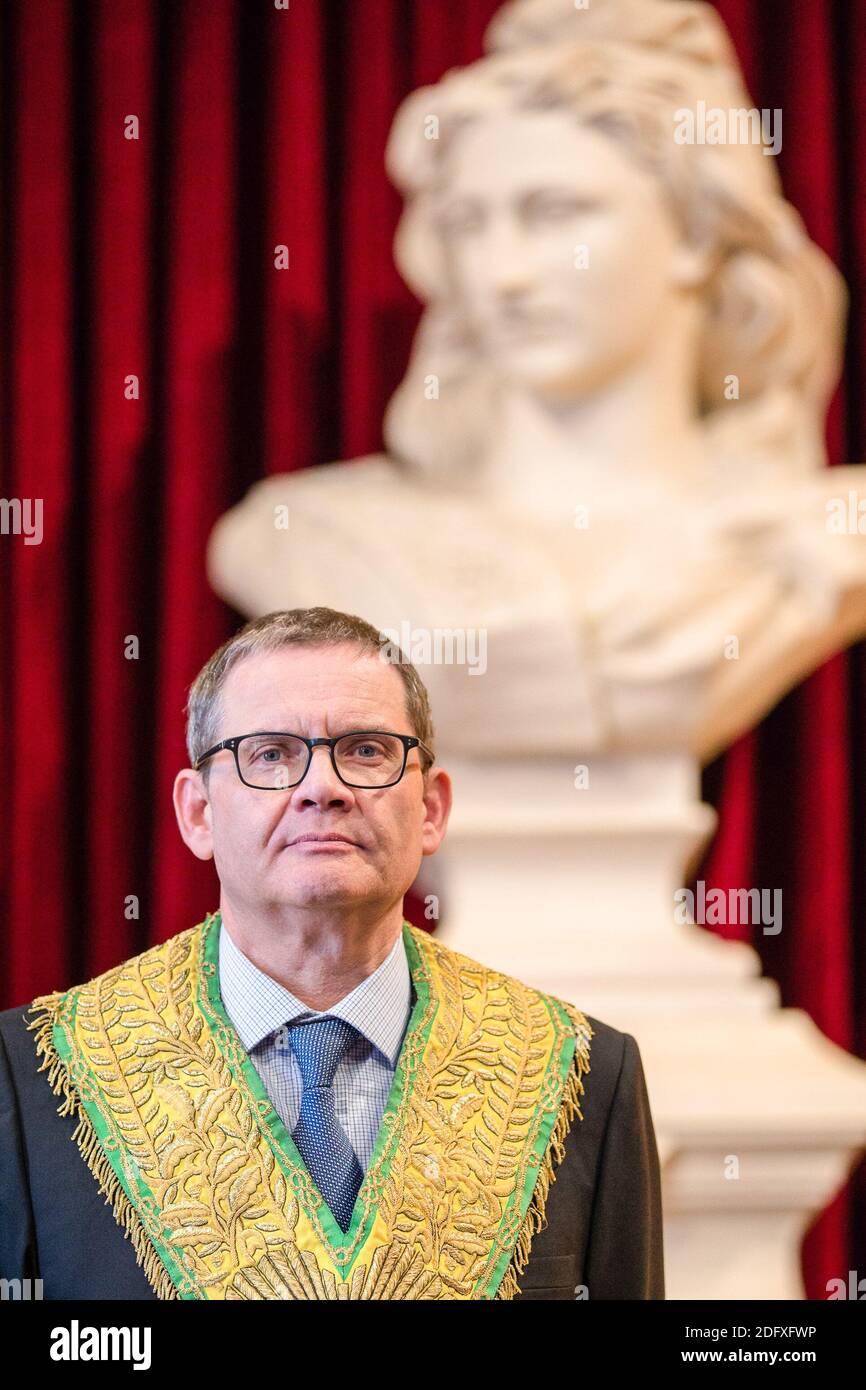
113, 1144
343, 1248
488, 1284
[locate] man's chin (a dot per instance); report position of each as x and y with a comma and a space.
332, 889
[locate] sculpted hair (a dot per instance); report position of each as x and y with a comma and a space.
299, 627
774, 303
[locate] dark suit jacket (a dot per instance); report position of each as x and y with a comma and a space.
604, 1213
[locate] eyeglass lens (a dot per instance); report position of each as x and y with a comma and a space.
273, 761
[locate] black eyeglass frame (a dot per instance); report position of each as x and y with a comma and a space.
409, 741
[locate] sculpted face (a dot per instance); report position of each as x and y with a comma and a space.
253, 835
521, 193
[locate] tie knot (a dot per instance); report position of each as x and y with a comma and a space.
319, 1044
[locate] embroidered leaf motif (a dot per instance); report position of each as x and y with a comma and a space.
169, 1075
395, 1272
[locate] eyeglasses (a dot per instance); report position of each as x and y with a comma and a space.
277, 761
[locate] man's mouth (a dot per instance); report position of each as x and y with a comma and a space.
323, 840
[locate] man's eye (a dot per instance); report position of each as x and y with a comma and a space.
364, 749
271, 754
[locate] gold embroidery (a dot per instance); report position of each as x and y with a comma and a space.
395, 1273
205, 1180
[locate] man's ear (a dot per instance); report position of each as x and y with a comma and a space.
194, 813
438, 795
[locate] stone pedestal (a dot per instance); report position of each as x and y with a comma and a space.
564, 874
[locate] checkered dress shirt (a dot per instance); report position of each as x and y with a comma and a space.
379, 1007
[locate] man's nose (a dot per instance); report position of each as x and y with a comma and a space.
321, 785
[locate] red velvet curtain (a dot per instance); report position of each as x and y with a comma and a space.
155, 364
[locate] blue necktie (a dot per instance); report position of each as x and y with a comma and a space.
319, 1044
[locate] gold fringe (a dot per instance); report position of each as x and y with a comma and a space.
535, 1219
45, 1010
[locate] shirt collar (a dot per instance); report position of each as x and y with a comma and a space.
257, 1005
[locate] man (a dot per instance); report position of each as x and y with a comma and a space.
305, 1097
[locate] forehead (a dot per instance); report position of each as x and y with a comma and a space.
509, 152
296, 686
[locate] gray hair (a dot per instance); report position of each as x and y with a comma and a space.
303, 627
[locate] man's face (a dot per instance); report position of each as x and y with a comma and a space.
254, 835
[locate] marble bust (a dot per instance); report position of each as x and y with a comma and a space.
607, 451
